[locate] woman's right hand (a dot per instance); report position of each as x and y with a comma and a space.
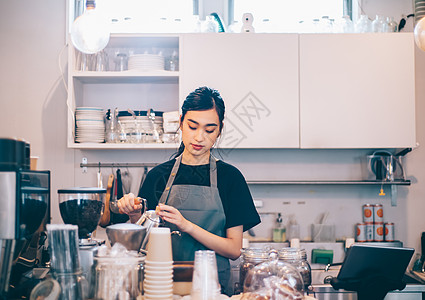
127, 205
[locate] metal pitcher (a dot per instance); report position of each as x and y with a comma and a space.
149, 219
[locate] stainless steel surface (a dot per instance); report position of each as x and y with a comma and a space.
117, 165
129, 235
8, 205
6, 257
327, 292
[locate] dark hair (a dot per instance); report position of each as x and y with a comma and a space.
203, 98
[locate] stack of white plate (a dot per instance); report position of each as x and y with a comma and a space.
89, 125
146, 62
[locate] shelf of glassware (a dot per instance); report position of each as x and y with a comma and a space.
111, 146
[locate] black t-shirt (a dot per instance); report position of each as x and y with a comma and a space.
234, 192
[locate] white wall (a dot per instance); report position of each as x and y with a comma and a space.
33, 101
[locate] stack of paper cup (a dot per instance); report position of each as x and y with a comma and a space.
158, 282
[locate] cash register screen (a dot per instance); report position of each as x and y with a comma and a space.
367, 260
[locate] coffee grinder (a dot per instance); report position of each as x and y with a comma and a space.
25, 209
83, 206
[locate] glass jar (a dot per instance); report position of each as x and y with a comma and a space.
297, 258
119, 276
251, 257
274, 279
73, 285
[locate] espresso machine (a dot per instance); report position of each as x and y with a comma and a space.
25, 209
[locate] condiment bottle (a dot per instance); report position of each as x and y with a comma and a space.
279, 232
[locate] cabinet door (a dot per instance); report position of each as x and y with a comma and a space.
257, 76
357, 90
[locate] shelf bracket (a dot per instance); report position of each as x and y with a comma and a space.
393, 195
84, 162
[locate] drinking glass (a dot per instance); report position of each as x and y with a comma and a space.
102, 63
121, 62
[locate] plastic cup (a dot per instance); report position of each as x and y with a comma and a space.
205, 284
159, 245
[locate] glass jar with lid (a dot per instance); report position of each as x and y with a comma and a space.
251, 257
297, 258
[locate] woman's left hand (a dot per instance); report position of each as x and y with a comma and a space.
172, 215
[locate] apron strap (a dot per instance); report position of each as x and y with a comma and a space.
166, 193
213, 177
213, 172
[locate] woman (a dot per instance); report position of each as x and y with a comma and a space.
206, 199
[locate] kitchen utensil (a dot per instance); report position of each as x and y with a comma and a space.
386, 166
126, 179
106, 216
129, 235
150, 220
137, 201
99, 178
159, 245
118, 194
145, 172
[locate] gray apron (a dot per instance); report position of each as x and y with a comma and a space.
202, 206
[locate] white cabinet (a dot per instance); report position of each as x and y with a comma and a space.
280, 90
257, 76
357, 90
138, 90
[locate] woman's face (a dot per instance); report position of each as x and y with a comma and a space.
200, 130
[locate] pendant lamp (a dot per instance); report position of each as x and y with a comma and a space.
90, 32
419, 31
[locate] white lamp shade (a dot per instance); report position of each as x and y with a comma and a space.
90, 32
419, 33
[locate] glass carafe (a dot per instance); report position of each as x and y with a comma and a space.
363, 24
